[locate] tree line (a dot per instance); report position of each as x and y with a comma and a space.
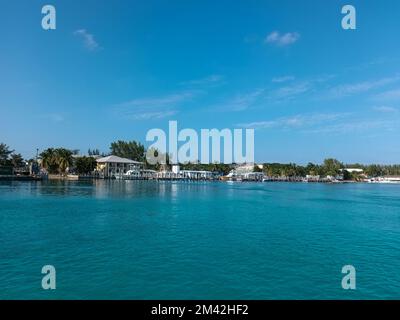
58, 160
330, 167
9, 158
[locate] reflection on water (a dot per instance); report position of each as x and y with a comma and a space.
207, 240
108, 188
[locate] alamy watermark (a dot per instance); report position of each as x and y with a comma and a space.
349, 20
349, 280
49, 20
184, 146
49, 280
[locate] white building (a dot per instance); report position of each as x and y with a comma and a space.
196, 175
113, 166
351, 170
245, 172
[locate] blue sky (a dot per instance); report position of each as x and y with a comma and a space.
115, 69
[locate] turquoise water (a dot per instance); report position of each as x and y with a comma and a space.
180, 240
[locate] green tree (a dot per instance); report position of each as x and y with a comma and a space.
347, 175
56, 160
49, 161
4, 154
128, 149
85, 165
64, 159
331, 167
312, 169
374, 170
94, 152
17, 160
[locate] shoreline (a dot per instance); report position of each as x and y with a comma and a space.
76, 178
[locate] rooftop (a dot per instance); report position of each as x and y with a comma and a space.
115, 159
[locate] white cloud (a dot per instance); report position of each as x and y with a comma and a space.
282, 40
261, 96
294, 90
54, 117
88, 39
241, 102
211, 80
359, 126
389, 95
355, 88
143, 115
385, 109
296, 121
290, 89
282, 79
162, 101
327, 123
154, 107
288, 92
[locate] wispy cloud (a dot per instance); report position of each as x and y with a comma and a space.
161, 101
211, 80
88, 39
360, 87
358, 126
296, 121
389, 95
291, 91
143, 115
376, 62
282, 79
53, 117
282, 40
241, 102
328, 123
154, 107
385, 109
285, 89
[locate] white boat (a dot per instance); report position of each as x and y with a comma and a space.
387, 180
131, 175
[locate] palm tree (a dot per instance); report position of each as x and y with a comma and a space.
48, 159
64, 159
56, 160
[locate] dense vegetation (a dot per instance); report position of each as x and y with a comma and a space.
214, 167
128, 149
85, 165
9, 158
331, 167
57, 160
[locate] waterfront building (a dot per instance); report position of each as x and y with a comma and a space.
353, 170
312, 178
114, 167
176, 168
392, 179
196, 175
141, 174
244, 173
253, 176
385, 179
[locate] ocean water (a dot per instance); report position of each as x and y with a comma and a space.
199, 240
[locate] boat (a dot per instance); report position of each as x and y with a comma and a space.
386, 180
